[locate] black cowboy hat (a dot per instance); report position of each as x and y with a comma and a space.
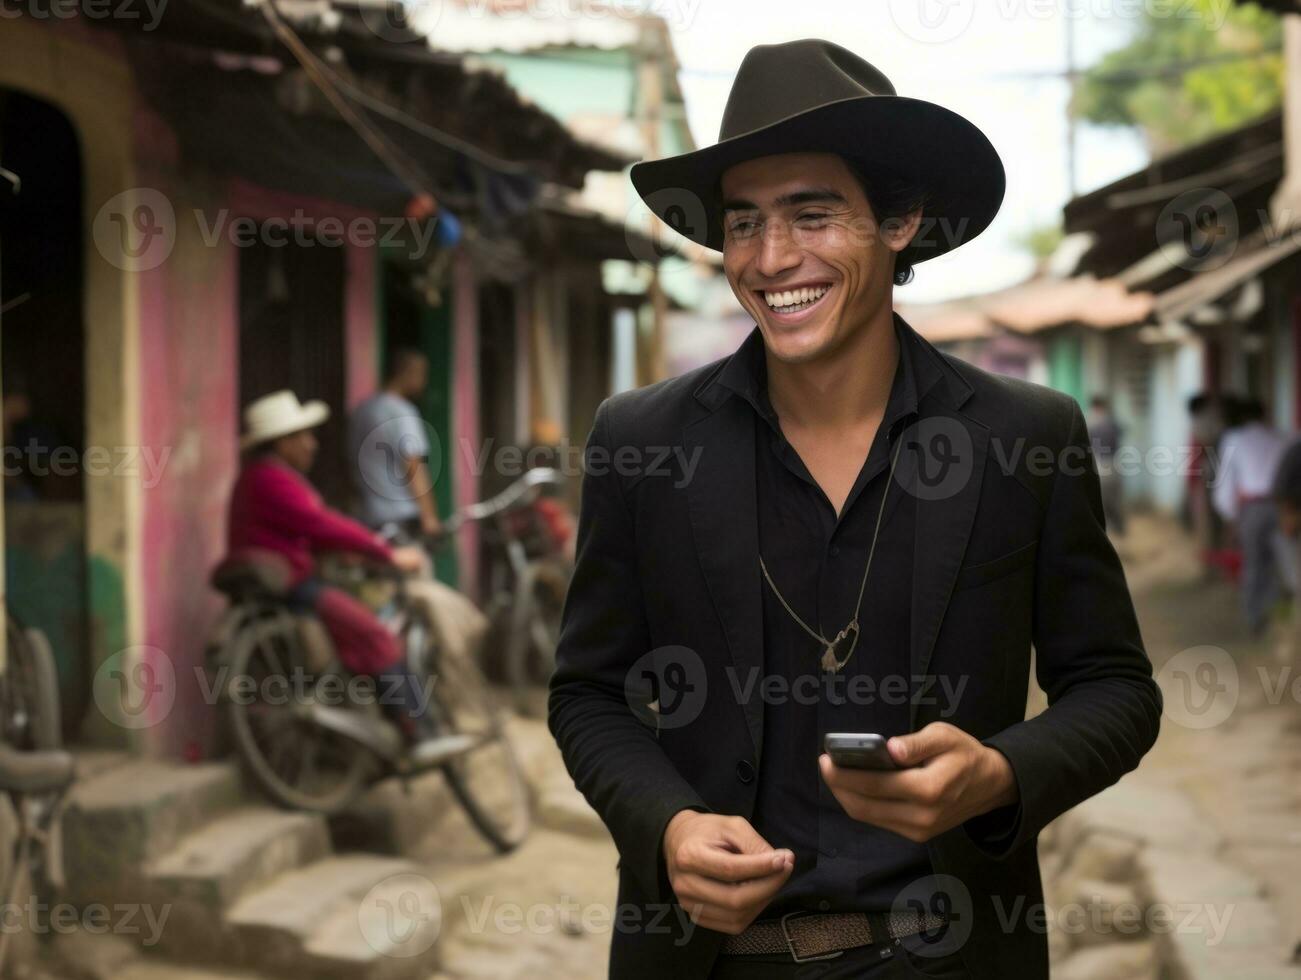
814, 96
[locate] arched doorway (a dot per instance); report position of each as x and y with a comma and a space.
42, 351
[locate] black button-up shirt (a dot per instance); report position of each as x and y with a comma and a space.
816, 559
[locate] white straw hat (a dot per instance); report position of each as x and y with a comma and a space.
278, 414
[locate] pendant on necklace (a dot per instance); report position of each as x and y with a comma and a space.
845, 641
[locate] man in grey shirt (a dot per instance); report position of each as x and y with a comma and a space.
389, 442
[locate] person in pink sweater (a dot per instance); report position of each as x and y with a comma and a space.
275, 508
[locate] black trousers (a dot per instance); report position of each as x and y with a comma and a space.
898, 963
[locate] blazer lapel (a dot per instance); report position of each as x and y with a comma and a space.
724, 523
948, 452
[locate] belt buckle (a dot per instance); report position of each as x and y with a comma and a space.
790, 943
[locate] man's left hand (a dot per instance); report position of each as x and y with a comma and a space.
949, 778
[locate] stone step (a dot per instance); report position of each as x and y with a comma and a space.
118, 819
212, 867
237, 852
163, 970
353, 916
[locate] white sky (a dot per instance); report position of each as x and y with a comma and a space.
974, 58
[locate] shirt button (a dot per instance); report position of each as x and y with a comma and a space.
823, 905
835, 550
745, 772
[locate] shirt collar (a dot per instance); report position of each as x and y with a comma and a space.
746, 374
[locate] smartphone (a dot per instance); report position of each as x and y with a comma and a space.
858, 750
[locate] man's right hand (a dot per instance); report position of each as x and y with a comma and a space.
721, 870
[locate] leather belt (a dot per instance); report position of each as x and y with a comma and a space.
825, 935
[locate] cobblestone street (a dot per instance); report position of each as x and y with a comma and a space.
1228, 758
542, 911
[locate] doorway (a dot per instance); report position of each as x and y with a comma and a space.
42, 345
291, 335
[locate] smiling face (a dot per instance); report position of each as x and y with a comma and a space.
803, 251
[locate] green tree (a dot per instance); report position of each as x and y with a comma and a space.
1192, 69
1040, 241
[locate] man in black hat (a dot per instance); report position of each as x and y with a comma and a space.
839, 530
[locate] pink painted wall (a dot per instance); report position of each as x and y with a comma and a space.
361, 325
189, 372
189, 384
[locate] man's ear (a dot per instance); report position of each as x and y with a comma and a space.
898, 232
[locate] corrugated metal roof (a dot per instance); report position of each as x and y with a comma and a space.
516, 26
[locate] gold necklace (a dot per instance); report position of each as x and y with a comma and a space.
830, 662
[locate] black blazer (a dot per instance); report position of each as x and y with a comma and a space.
1012, 555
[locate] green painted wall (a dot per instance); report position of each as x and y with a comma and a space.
1065, 366
568, 81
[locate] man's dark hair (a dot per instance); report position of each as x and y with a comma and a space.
893, 198
399, 359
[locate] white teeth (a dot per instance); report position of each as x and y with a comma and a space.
794, 298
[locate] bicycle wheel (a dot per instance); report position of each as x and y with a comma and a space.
488, 780
29, 690
535, 625
297, 763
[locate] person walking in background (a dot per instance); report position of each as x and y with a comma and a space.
1104, 436
1206, 424
1243, 494
389, 449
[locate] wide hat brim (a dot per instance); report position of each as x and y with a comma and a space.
309, 416
943, 152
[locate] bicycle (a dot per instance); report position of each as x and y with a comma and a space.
35, 772
528, 580
317, 750
29, 675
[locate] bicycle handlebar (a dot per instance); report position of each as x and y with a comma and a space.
527, 485
525, 488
